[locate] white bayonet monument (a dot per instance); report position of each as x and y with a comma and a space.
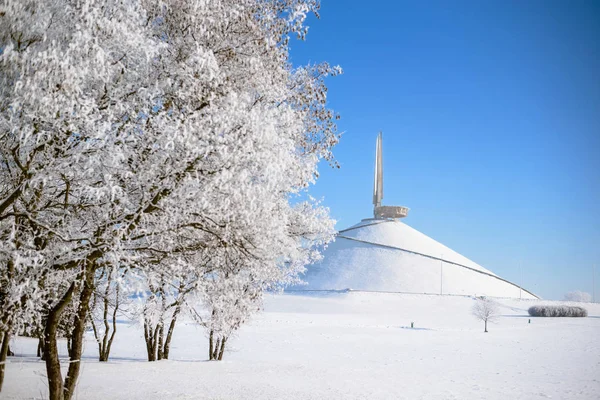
379, 211
383, 254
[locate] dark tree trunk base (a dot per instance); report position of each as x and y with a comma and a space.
76, 339
3, 354
40, 349
55, 381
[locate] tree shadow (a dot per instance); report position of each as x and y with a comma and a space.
113, 358
25, 358
31, 358
515, 316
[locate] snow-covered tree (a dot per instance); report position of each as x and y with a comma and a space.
485, 310
277, 130
579, 296
69, 93
161, 306
114, 288
166, 136
232, 287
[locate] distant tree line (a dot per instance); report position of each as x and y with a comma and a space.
578, 296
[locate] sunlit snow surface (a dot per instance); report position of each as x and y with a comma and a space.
348, 346
367, 257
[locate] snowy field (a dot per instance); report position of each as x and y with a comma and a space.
348, 346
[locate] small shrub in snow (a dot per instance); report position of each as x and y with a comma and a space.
557, 311
485, 310
577, 295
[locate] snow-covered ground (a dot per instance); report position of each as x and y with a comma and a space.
348, 346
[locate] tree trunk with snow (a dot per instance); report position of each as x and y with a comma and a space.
55, 381
216, 349
5, 332
4, 340
161, 329
215, 355
156, 314
210, 345
157, 343
40, 348
148, 340
169, 337
222, 350
58, 389
77, 337
105, 338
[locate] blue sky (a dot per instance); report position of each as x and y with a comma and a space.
490, 113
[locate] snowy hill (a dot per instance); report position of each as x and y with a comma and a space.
390, 256
348, 346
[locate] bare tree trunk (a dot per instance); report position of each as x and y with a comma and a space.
148, 338
159, 350
485, 330
151, 337
69, 346
150, 332
55, 382
40, 348
210, 346
167, 344
161, 323
114, 325
103, 356
216, 350
96, 335
4, 340
155, 341
105, 343
5, 334
158, 342
78, 333
93, 306
222, 348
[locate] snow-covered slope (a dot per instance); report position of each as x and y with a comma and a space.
388, 255
346, 346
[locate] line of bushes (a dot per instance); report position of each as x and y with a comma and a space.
557, 311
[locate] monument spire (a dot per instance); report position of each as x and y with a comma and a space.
379, 211
378, 182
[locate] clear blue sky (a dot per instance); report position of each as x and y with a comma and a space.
490, 112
